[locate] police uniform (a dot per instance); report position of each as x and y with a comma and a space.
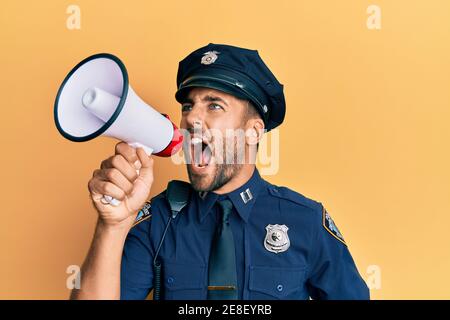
286, 245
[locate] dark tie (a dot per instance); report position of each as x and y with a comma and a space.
222, 277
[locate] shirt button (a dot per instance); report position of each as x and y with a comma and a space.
169, 280
280, 287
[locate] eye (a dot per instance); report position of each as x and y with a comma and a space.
186, 107
215, 106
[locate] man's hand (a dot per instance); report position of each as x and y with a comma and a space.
118, 177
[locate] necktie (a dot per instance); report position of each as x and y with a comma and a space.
222, 277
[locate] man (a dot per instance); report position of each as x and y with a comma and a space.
239, 237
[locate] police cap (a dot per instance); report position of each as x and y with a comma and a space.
237, 71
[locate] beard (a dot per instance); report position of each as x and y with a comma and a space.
222, 172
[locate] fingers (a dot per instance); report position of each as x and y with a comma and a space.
126, 151
118, 176
127, 169
114, 176
97, 186
145, 160
146, 171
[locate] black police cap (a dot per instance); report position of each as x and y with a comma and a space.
236, 71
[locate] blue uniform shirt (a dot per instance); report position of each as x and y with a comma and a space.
287, 247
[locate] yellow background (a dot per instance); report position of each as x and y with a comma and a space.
366, 131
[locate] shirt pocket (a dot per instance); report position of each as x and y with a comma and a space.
277, 283
184, 281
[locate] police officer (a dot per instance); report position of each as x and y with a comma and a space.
238, 237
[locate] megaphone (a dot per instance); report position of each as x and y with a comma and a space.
95, 99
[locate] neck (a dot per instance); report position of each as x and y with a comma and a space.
238, 180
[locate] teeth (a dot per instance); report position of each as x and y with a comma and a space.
198, 154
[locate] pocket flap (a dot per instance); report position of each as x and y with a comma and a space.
179, 276
276, 281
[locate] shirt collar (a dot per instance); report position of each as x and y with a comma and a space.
243, 198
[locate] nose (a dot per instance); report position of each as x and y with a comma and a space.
195, 118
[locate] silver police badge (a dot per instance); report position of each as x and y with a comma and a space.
209, 57
277, 239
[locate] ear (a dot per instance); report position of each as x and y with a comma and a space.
255, 131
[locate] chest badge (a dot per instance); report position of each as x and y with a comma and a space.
277, 239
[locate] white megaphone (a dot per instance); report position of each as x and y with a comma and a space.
95, 99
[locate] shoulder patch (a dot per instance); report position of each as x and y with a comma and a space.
143, 214
330, 226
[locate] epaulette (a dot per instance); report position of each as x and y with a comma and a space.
290, 195
326, 220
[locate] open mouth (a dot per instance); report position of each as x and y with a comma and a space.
201, 151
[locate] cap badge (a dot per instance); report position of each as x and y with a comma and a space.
209, 57
277, 239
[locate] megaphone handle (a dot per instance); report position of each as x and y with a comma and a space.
112, 201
